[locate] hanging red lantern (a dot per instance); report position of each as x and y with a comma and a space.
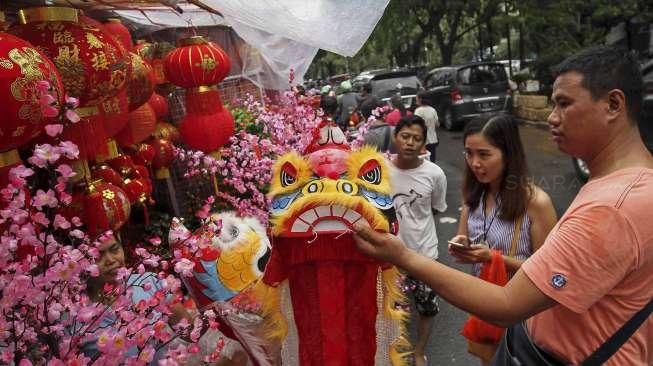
106, 174
165, 155
142, 123
87, 58
160, 105
141, 82
196, 62
207, 132
145, 50
122, 164
198, 65
140, 171
167, 131
115, 113
22, 67
106, 207
138, 190
90, 62
161, 50
119, 32
144, 154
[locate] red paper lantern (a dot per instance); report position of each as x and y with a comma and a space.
140, 171
196, 62
119, 32
115, 113
90, 62
165, 155
141, 82
138, 190
106, 207
207, 132
161, 50
167, 131
22, 66
142, 123
88, 59
160, 105
145, 50
144, 154
122, 164
107, 175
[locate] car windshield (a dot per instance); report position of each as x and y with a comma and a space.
482, 74
385, 88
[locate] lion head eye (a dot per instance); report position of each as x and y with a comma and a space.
370, 172
288, 175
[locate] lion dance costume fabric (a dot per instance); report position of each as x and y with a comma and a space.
323, 300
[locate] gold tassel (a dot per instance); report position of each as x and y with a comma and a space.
393, 296
275, 325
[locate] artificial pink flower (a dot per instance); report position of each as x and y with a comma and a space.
72, 102
72, 116
47, 104
43, 86
40, 218
44, 199
60, 222
54, 129
69, 149
184, 267
44, 154
66, 171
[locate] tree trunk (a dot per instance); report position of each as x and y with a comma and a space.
522, 50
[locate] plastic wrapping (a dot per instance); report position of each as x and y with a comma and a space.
281, 35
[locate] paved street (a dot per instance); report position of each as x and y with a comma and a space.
550, 169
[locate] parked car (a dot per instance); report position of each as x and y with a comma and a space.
405, 83
462, 92
645, 122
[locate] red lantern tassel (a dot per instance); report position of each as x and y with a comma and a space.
203, 100
88, 134
207, 132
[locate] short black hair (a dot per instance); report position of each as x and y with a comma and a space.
329, 105
605, 68
367, 87
409, 120
424, 97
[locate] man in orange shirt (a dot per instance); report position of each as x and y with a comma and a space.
593, 272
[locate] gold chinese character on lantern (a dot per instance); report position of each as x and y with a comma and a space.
208, 63
65, 53
111, 106
64, 37
93, 41
99, 61
108, 194
7, 64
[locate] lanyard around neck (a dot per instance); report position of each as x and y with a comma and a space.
497, 207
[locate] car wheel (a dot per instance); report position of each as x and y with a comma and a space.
582, 171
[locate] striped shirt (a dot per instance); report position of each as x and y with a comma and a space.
499, 232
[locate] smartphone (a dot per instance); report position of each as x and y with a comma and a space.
459, 245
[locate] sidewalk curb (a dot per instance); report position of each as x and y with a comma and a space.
537, 124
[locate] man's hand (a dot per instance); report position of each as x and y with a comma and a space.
383, 246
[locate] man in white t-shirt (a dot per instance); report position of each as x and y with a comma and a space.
430, 116
419, 189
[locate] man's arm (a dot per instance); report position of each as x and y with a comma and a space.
503, 306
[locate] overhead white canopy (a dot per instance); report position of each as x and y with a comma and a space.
286, 33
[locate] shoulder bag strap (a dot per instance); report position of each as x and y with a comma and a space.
515, 236
612, 345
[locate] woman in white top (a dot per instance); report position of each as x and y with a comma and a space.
430, 116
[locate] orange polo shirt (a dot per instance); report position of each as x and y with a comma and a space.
597, 263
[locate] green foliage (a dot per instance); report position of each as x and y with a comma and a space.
246, 121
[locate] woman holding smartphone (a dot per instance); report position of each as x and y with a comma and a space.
502, 209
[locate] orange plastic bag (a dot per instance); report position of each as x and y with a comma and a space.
475, 329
